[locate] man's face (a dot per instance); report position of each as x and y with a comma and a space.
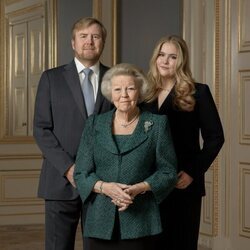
88, 44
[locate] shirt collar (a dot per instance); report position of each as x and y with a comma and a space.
80, 66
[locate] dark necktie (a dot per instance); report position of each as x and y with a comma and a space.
88, 91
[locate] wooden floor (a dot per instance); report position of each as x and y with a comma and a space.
30, 238
27, 238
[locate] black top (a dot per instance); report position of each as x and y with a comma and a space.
193, 156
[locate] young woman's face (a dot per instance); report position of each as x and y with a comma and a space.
167, 60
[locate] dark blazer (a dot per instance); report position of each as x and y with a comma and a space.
148, 155
192, 157
59, 119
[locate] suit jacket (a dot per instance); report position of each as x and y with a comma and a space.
186, 127
148, 155
59, 119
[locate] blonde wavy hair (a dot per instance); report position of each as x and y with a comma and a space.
184, 87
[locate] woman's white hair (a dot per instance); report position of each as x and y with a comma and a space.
127, 70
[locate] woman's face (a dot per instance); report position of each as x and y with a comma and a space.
167, 60
125, 93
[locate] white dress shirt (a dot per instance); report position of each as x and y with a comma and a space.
94, 77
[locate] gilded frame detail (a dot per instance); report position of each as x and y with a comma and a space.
107, 13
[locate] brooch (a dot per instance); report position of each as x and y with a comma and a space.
147, 125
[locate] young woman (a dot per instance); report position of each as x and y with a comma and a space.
192, 112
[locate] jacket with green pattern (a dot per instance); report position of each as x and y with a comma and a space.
148, 155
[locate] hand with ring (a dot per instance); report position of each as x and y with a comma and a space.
121, 204
119, 197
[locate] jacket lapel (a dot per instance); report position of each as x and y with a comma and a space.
72, 79
138, 136
105, 137
104, 132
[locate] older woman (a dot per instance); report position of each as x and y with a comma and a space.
125, 166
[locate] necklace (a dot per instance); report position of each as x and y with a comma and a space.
125, 125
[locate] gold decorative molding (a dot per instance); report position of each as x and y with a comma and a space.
25, 213
52, 33
226, 47
97, 9
20, 156
23, 11
244, 90
114, 33
102, 10
6, 139
3, 70
9, 2
217, 101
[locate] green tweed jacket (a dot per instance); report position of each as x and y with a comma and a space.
148, 155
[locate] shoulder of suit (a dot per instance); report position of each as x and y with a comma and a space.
200, 86
104, 67
56, 69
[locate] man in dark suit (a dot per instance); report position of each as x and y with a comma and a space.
59, 119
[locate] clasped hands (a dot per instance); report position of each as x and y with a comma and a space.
122, 195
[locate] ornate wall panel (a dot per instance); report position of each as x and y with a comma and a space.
18, 79
244, 222
237, 158
18, 196
30, 25
207, 206
244, 21
37, 63
30, 47
244, 106
22, 193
